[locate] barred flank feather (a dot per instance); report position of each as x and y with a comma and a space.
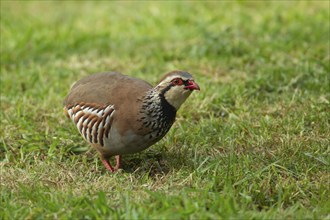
93, 121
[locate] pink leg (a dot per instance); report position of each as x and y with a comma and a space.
118, 162
107, 165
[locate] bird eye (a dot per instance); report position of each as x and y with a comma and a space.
177, 81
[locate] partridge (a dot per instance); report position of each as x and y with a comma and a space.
119, 114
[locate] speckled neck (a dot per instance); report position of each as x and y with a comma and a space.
157, 114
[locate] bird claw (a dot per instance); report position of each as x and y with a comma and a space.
108, 166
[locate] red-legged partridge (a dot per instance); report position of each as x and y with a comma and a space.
118, 114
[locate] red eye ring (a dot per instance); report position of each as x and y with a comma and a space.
177, 82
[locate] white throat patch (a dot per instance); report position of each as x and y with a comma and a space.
176, 95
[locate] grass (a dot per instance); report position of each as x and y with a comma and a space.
253, 144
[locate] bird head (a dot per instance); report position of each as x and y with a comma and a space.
176, 87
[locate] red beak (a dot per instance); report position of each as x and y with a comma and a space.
191, 85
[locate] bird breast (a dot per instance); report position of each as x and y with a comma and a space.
154, 120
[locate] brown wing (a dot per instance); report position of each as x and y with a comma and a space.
122, 92
107, 88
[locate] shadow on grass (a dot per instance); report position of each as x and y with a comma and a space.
152, 162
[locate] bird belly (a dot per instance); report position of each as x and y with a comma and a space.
128, 143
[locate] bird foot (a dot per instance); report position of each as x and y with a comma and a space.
118, 162
108, 165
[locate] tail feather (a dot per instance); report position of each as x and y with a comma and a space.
65, 110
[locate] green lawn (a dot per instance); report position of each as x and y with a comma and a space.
253, 144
